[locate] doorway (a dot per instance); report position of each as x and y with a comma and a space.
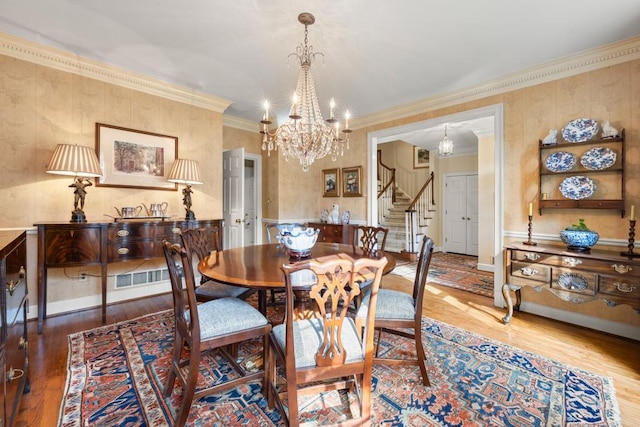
495, 112
242, 196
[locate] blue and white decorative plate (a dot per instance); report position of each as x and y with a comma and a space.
572, 281
598, 158
577, 187
580, 130
560, 161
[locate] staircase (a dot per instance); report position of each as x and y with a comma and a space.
395, 222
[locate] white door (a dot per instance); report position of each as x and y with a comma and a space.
233, 197
461, 214
250, 201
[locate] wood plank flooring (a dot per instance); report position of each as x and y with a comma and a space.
600, 353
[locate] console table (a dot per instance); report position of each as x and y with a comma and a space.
572, 276
99, 243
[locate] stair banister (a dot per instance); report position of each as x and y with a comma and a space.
386, 196
418, 213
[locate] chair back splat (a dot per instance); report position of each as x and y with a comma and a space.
206, 328
200, 243
370, 239
327, 352
400, 313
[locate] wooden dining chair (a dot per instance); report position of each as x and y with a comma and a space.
202, 328
202, 242
274, 235
370, 239
327, 352
400, 313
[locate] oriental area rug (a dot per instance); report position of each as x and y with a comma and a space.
116, 373
454, 271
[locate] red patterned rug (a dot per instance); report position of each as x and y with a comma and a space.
116, 372
455, 271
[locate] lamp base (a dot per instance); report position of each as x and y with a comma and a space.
189, 215
78, 216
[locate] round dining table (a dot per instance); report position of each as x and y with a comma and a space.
258, 266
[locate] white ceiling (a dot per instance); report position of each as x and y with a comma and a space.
379, 54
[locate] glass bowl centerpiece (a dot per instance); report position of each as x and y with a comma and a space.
578, 237
300, 240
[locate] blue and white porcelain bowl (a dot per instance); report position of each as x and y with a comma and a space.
579, 240
299, 241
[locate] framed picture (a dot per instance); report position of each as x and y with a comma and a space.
135, 159
352, 181
330, 183
420, 158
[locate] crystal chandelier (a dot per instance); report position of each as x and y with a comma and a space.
445, 147
305, 134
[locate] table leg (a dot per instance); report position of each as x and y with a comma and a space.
506, 293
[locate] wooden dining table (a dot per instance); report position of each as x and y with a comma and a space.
258, 266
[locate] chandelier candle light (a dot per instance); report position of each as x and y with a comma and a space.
306, 135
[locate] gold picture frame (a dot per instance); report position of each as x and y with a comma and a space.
330, 183
135, 159
352, 181
420, 158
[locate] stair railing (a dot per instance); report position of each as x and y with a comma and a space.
386, 194
418, 213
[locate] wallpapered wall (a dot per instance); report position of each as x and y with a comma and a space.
42, 107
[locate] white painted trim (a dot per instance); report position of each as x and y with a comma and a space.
257, 158
95, 301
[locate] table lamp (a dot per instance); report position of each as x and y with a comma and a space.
185, 172
80, 162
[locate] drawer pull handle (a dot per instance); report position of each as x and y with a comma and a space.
22, 343
176, 230
532, 256
621, 268
528, 271
571, 262
123, 251
624, 287
22, 274
123, 233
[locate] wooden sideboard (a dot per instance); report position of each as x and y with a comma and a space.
572, 276
99, 243
333, 233
14, 355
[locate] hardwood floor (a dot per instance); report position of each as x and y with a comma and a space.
597, 352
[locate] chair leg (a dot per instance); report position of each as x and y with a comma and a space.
175, 360
189, 388
421, 355
267, 367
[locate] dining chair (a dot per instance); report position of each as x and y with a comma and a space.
202, 242
370, 239
274, 235
204, 328
400, 313
325, 352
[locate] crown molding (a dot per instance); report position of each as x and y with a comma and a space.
76, 64
240, 123
605, 56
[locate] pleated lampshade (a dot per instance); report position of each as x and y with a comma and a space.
185, 172
74, 160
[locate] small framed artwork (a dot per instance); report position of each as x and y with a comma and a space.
420, 158
135, 159
330, 183
352, 181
